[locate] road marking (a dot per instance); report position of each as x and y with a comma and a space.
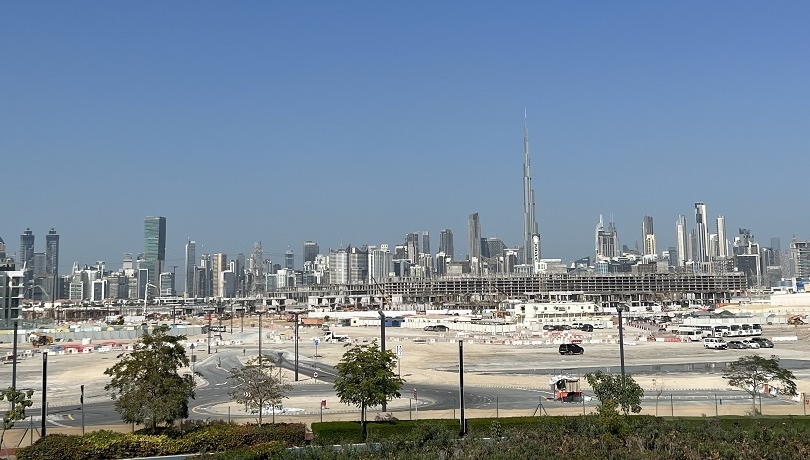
70, 416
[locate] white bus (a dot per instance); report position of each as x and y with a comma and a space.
691, 333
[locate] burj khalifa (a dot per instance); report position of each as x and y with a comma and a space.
531, 239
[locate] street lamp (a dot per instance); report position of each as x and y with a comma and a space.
619, 308
382, 342
192, 359
296, 342
260, 312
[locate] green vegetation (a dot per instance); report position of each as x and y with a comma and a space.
366, 378
202, 438
19, 401
256, 387
145, 383
614, 392
752, 371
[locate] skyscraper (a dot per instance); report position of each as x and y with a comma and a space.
446, 243
701, 233
426, 242
191, 259
682, 240
412, 247
529, 218
219, 264
607, 240
722, 241
26, 256
289, 260
52, 254
154, 255
648, 236
474, 242
311, 251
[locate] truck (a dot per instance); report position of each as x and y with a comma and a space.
37, 339
330, 336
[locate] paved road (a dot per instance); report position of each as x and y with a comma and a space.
214, 390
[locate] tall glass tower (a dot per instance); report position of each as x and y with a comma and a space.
154, 254
26, 257
529, 218
52, 254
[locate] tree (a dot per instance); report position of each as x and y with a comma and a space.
614, 392
752, 371
146, 385
366, 378
256, 387
19, 400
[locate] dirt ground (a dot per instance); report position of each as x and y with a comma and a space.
435, 360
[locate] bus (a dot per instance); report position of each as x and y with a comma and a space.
690, 333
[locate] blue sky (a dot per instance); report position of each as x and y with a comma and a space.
358, 122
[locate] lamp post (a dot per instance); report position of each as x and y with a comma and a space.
619, 309
260, 312
192, 359
296, 344
382, 343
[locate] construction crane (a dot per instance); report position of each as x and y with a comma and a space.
385, 300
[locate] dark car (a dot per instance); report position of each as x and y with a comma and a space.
571, 349
586, 328
763, 342
436, 328
736, 344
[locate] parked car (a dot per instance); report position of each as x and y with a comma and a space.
586, 328
571, 349
736, 344
763, 342
599, 326
548, 327
436, 328
750, 343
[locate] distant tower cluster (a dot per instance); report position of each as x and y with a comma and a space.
531, 248
607, 240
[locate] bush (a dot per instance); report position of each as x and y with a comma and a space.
211, 437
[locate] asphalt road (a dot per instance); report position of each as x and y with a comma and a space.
214, 369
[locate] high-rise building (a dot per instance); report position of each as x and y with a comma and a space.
529, 218
219, 264
311, 251
446, 243
682, 240
52, 254
474, 242
191, 259
701, 248
800, 253
339, 266
776, 247
2, 250
722, 240
40, 263
648, 236
425, 242
607, 240
25, 260
380, 264
154, 254
412, 247
289, 260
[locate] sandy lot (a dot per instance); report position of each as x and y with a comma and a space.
655, 365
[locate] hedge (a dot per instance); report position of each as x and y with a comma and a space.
212, 437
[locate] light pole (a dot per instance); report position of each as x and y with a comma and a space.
260, 312
619, 309
192, 360
382, 343
296, 344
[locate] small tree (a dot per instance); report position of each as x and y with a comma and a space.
146, 385
749, 372
366, 378
614, 392
255, 386
19, 400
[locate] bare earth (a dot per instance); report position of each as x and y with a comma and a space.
435, 361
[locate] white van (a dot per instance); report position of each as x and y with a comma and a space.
717, 343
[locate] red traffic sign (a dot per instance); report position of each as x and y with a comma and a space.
314, 375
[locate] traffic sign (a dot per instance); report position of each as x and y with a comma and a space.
314, 375
399, 351
317, 341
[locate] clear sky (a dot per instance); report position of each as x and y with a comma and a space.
358, 122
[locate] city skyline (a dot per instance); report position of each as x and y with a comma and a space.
343, 124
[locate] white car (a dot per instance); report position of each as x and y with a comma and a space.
598, 325
750, 343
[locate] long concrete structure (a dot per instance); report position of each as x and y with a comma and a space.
701, 288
